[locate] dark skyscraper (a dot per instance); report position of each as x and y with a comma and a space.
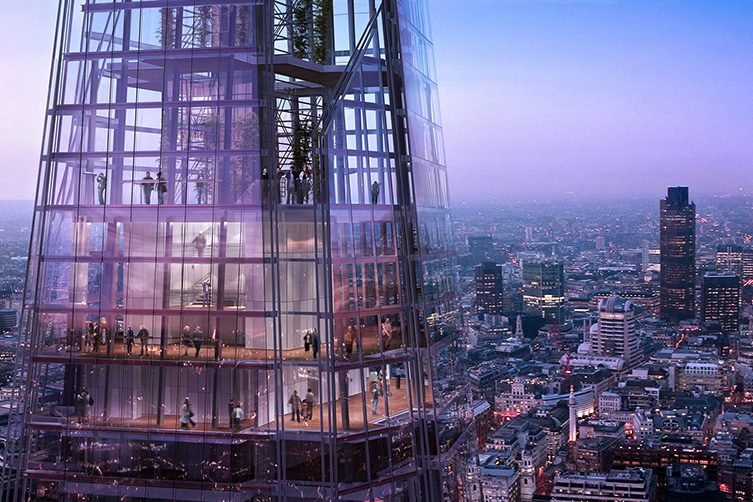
720, 300
544, 288
677, 246
489, 290
240, 285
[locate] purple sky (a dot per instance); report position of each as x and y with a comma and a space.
539, 97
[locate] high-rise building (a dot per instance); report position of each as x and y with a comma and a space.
677, 247
735, 259
544, 288
616, 331
241, 241
720, 300
489, 289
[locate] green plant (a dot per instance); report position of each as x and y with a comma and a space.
300, 28
166, 30
245, 137
203, 26
322, 20
242, 36
301, 146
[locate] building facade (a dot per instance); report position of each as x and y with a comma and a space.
629, 485
720, 300
240, 284
544, 288
616, 334
489, 289
677, 248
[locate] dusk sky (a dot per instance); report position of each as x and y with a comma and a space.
539, 97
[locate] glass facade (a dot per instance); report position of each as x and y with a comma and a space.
240, 285
677, 248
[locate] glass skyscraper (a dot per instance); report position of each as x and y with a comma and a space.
677, 248
240, 285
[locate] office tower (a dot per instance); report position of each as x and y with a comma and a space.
616, 331
489, 290
544, 288
240, 285
720, 300
735, 259
677, 246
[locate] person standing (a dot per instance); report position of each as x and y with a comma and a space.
290, 178
299, 187
201, 187
206, 289
199, 244
231, 413
82, 406
101, 187
186, 415
398, 375
144, 338
198, 336
375, 192
97, 338
349, 339
186, 340
129, 339
147, 185
295, 407
315, 343
306, 187
237, 416
265, 184
374, 399
309, 405
161, 188
386, 333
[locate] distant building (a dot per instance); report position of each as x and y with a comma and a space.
735, 259
516, 399
720, 300
594, 454
544, 288
8, 319
689, 483
500, 481
616, 334
630, 485
677, 247
489, 289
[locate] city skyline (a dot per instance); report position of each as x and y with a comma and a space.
570, 91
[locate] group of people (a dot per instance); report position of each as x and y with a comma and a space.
192, 339
301, 408
149, 184
98, 334
298, 187
235, 414
349, 338
311, 342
